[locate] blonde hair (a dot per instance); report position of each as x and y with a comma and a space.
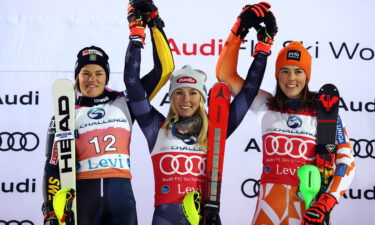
173, 116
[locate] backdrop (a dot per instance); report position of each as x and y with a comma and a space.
40, 39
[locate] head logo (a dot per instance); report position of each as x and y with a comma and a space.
18, 141
186, 79
294, 122
165, 189
96, 113
294, 55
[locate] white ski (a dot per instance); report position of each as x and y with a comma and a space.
64, 105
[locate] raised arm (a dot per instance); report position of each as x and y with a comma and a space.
246, 90
148, 118
245, 97
250, 16
163, 63
140, 14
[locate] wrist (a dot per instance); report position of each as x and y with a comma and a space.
239, 30
137, 31
262, 47
328, 200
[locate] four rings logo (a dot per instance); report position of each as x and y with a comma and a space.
250, 188
18, 141
363, 148
293, 147
182, 165
15, 222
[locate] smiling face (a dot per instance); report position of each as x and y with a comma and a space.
92, 80
186, 101
292, 80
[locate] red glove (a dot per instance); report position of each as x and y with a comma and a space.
318, 212
136, 25
250, 16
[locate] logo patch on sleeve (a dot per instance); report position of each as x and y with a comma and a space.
341, 170
340, 135
54, 156
293, 55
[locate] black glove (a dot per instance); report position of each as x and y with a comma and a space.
265, 41
270, 22
148, 11
49, 215
250, 16
320, 210
265, 35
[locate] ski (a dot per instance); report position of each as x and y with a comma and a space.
327, 119
64, 108
218, 112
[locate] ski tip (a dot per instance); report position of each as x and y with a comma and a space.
328, 88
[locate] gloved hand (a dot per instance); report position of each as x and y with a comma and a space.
250, 16
318, 212
136, 25
49, 215
266, 34
265, 41
149, 12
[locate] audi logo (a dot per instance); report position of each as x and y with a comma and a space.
250, 188
18, 141
15, 222
363, 148
182, 165
293, 147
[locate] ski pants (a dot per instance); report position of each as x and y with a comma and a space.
171, 214
278, 204
106, 201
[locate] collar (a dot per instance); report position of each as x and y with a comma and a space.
103, 98
293, 104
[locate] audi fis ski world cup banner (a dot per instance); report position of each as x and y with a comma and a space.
40, 42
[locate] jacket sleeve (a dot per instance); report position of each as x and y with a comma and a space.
244, 91
51, 177
148, 118
163, 63
226, 67
344, 163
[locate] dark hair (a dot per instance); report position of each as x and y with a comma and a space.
279, 102
92, 55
